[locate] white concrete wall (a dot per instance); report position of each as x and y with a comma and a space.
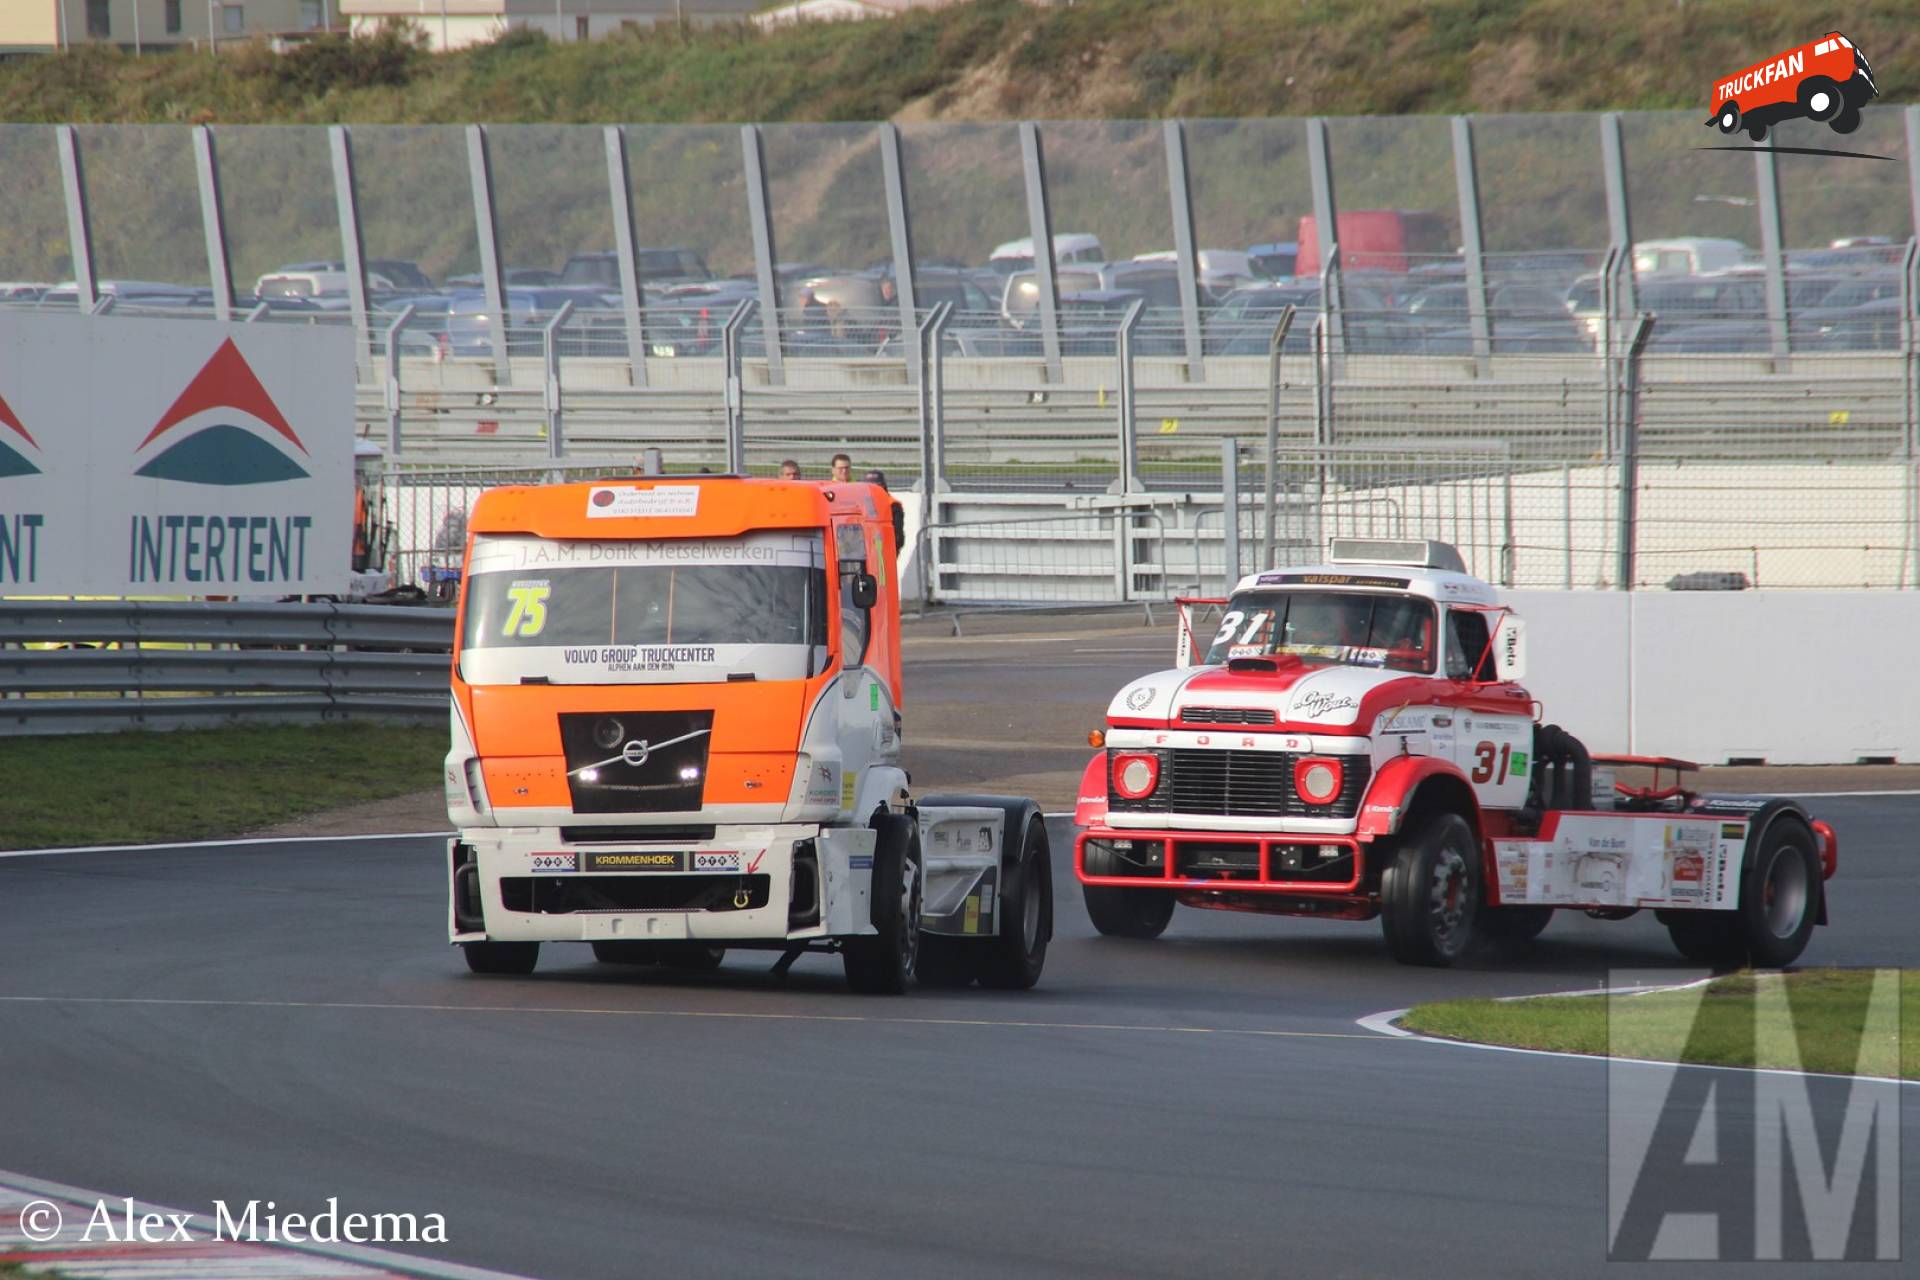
1789, 677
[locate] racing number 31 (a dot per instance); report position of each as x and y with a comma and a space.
1486, 765
528, 617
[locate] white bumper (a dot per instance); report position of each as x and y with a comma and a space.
529, 885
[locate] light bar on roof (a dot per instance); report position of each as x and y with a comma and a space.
1422, 553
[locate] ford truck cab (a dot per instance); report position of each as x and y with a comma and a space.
676, 729
1352, 740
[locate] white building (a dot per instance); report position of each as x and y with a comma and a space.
43, 26
455, 24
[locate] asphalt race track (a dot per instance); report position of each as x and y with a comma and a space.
282, 1021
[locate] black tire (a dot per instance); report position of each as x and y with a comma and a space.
1847, 121
1012, 959
1430, 892
945, 962
1124, 913
1756, 130
1779, 905
692, 957
1709, 938
1831, 100
502, 959
882, 963
1729, 118
1780, 895
1514, 924
625, 952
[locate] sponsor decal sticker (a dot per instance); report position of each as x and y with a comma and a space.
627, 501
716, 860
554, 862
669, 861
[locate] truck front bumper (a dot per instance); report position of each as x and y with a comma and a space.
749, 883
1298, 862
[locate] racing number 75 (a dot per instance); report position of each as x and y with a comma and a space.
1485, 764
528, 617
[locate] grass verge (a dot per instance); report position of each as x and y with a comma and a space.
127, 788
1826, 1011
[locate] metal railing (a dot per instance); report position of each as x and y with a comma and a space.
98, 666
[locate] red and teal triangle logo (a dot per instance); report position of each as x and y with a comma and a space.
226, 430
12, 461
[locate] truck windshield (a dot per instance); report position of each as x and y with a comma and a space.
679, 610
1323, 627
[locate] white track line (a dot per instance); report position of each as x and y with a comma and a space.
219, 844
723, 1014
1382, 1023
389, 1263
1815, 795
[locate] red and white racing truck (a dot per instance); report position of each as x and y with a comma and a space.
1353, 741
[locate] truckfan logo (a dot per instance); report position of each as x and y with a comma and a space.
12, 461
219, 451
1827, 80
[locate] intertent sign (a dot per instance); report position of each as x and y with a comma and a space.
174, 457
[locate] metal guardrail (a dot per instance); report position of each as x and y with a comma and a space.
90, 666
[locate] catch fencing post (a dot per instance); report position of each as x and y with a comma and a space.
554, 404
480, 175
1630, 451
1230, 510
900, 231
1467, 180
73, 182
1040, 222
735, 402
633, 297
1274, 343
1326, 231
929, 331
753, 153
1613, 164
346, 203
213, 221
1129, 460
1766, 179
1186, 255
393, 378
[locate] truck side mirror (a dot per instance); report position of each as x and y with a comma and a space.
866, 591
1510, 649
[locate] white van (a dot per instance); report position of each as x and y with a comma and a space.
1070, 249
1688, 256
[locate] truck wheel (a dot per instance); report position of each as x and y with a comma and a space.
1430, 892
1514, 924
1756, 131
882, 964
1780, 896
1729, 118
1124, 913
945, 962
1820, 98
692, 957
1847, 121
622, 952
1710, 938
1013, 958
515, 959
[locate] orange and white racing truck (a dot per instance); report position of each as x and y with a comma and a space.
1353, 741
676, 729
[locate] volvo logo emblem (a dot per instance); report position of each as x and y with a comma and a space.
635, 753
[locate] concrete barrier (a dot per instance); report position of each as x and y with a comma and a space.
1785, 677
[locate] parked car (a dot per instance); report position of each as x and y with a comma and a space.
597, 329
654, 266
1688, 256
1275, 260
512, 277
1870, 326
1220, 271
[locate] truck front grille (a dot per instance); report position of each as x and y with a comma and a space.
1227, 715
1242, 784
574, 894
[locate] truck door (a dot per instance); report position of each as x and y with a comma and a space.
865, 715
1493, 749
